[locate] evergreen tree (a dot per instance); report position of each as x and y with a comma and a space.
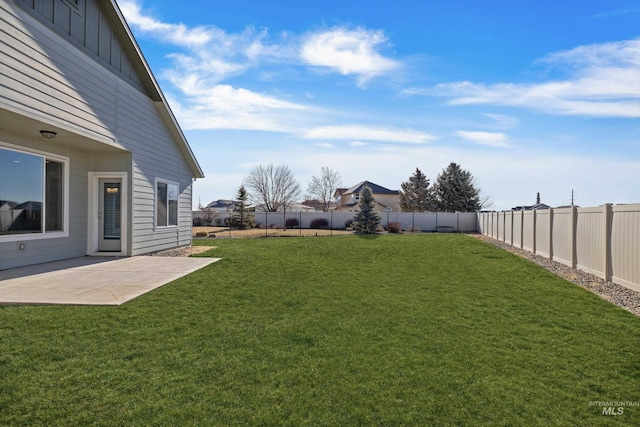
416, 196
366, 221
455, 190
242, 218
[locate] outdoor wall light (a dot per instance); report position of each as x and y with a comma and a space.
48, 134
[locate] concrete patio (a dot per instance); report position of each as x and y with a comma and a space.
93, 280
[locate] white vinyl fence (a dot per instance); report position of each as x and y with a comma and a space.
604, 240
430, 222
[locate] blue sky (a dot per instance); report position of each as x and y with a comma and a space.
529, 96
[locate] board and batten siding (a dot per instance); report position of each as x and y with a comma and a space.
86, 25
49, 80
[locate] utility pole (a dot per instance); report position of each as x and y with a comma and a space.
572, 197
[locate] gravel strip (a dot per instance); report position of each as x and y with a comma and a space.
184, 251
612, 292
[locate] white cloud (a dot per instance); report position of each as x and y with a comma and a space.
502, 121
617, 12
226, 107
368, 133
205, 57
178, 34
491, 139
208, 51
603, 81
348, 52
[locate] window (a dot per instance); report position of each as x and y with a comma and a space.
166, 204
32, 193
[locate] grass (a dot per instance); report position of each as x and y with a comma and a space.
382, 330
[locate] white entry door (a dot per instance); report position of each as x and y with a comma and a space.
110, 215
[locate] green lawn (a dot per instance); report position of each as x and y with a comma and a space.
337, 331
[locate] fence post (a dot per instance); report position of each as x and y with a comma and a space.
511, 243
521, 229
574, 236
551, 233
535, 226
608, 222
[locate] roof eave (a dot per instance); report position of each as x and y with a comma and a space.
151, 85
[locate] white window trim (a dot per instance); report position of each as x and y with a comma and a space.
93, 209
65, 203
155, 204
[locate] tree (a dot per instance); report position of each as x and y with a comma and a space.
324, 186
416, 196
241, 218
274, 187
366, 221
455, 190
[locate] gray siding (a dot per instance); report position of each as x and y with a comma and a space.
51, 75
47, 79
75, 245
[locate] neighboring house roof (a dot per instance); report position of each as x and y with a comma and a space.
293, 207
139, 63
222, 204
537, 206
375, 188
7, 204
314, 204
30, 205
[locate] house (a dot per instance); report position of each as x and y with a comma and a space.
386, 200
314, 205
92, 160
534, 207
222, 205
292, 207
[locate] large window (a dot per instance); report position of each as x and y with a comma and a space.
166, 204
32, 193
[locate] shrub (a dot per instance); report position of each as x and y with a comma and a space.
275, 226
201, 234
319, 223
414, 230
393, 227
242, 221
292, 223
198, 221
348, 224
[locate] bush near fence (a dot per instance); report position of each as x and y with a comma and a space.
603, 240
205, 223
